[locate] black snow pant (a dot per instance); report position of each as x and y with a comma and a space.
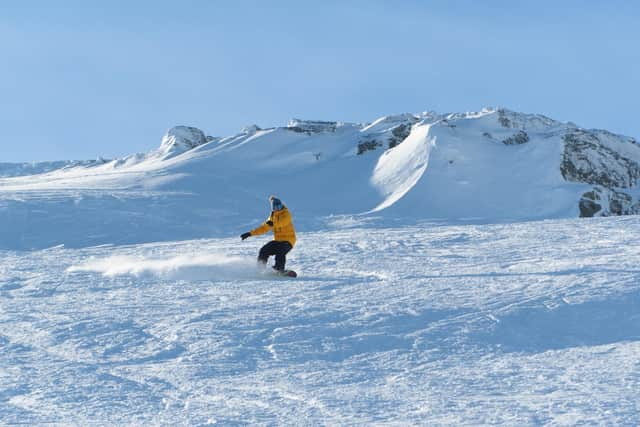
277, 248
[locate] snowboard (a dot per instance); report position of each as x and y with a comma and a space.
287, 273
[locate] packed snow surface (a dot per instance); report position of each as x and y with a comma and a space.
528, 323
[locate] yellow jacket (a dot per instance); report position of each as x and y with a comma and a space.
283, 229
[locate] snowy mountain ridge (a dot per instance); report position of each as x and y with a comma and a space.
494, 165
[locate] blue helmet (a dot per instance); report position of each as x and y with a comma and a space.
276, 204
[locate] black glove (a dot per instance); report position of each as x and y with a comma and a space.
270, 223
245, 235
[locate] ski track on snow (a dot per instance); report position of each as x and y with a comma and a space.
518, 324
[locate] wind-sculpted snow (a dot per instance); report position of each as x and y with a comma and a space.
399, 170
514, 324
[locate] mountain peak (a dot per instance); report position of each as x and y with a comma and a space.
250, 129
179, 139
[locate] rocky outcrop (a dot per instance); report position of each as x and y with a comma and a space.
607, 202
513, 120
587, 159
520, 137
388, 132
250, 129
311, 126
179, 139
607, 161
368, 145
399, 134
590, 204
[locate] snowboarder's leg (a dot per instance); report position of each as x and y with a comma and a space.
266, 251
281, 254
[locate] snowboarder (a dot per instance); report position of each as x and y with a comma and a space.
284, 235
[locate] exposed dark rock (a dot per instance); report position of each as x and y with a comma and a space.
593, 157
388, 130
487, 135
369, 145
503, 119
620, 203
588, 208
615, 207
592, 195
296, 129
588, 203
518, 138
586, 159
512, 120
607, 202
311, 126
399, 134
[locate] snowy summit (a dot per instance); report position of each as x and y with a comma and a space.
180, 139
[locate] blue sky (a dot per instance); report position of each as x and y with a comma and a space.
83, 79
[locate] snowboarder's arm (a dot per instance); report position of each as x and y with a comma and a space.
266, 226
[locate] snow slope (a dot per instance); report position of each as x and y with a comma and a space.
425, 296
532, 323
489, 166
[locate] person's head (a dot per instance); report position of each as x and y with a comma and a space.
276, 204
